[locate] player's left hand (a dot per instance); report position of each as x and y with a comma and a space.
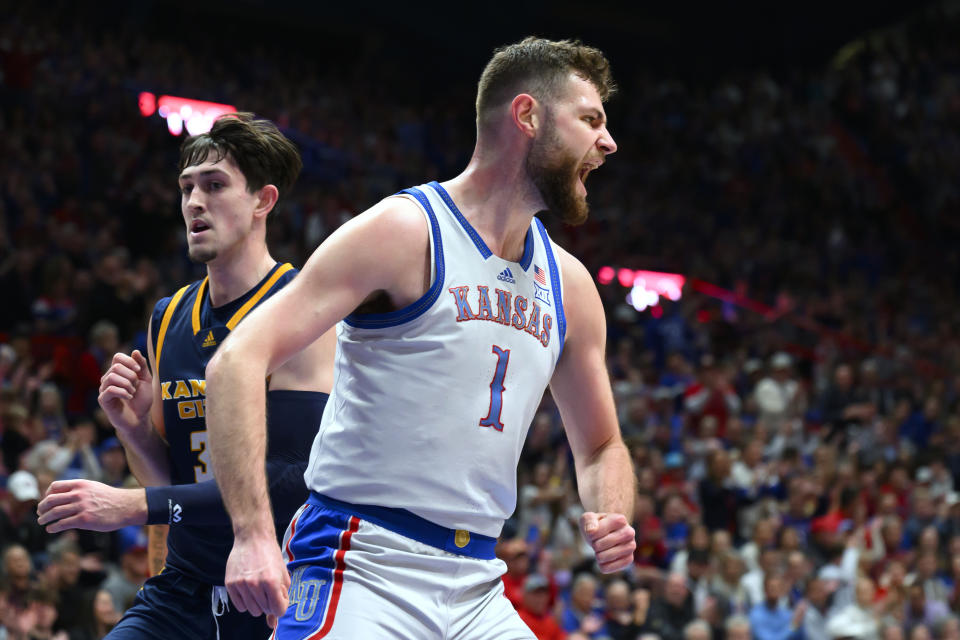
85, 504
612, 539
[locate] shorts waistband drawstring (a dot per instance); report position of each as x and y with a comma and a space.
219, 604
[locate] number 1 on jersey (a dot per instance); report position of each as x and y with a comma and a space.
496, 390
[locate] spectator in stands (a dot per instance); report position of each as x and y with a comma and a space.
17, 576
923, 514
727, 585
764, 536
582, 612
922, 610
69, 455
621, 609
948, 628
711, 395
540, 502
123, 582
773, 620
672, 611
922, 423
535, 609
857, 619
50, 410
651, 547
814, 621
516, 555
717, 498
771, 564
738, 628
113, 462
778, 396
99, 615
18, 514
73, 582
43, 607
797, 576
843, 404
697, 630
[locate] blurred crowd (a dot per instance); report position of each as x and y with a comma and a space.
793, 417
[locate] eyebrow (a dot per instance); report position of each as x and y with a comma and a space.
600, 115
202, 174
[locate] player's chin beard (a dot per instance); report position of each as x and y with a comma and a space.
202, 255
555, 175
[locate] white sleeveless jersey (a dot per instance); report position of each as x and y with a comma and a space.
431, 403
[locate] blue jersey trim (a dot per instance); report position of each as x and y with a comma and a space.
527, 258
482, 247
418, 308
555, 280
413, 526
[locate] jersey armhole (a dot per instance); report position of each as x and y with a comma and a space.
433, 248
437, 273
557, 282
164, 325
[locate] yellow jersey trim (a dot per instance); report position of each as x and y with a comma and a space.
165, 323
249, 304
197, 303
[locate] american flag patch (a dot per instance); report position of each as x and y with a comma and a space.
540, 275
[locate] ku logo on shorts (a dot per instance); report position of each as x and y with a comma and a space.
316, 564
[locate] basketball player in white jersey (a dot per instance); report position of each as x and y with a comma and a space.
455, 312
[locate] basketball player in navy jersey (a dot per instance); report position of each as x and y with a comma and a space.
230, 179
456, 311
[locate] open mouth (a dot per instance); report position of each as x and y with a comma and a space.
584, 172
198, 226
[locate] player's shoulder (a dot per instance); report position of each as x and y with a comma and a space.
397, 213
396, 221
576, 277
287, 272
582, 306
176, 296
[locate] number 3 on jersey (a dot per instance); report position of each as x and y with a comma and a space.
198, 443
496, 390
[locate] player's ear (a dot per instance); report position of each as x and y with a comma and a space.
266, 199
525, 113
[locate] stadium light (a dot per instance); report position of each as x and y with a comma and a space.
646, 287
196, 116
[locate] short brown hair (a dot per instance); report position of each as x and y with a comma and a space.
263, 154
539, 66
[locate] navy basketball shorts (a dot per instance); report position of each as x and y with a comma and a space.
360, 572
171, 605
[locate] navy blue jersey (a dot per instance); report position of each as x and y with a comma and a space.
187, 330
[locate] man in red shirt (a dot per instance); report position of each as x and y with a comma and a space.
535, 609
515, 554
711, 395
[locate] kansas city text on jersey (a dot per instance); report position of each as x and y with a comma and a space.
190, 389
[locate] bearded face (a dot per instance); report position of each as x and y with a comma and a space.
556, 173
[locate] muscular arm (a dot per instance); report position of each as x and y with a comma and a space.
581, 389
377, 251
293, 419
384, 250
85, 504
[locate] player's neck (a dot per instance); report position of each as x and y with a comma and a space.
499, 200
233, 276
